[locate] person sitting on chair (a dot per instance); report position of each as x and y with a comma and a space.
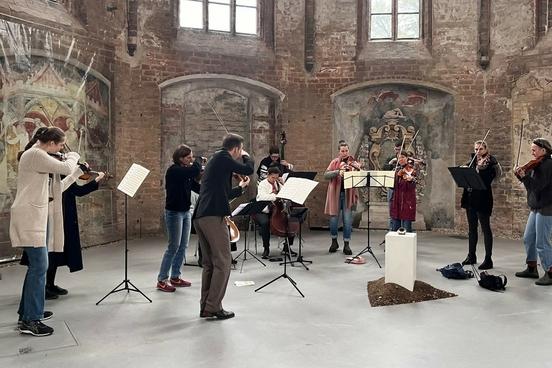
273, 159
266, 191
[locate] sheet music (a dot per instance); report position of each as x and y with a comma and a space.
378, 178
284, 177
297, 189
133, 179
238, 209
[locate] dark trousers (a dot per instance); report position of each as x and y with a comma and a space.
214, 242
263, 220
474, 217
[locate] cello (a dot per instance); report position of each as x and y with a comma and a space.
281, 224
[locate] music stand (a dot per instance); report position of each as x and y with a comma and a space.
300, 214
362, 179
248, 209
296, 190
129, 185
467, 177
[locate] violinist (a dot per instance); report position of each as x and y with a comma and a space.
339, 199
389, 165
180, 182
479, 204
273, 159
403, 204
266, 191
536, 176
211, 210
36, 223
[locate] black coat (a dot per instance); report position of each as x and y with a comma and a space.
482, 200
72, 254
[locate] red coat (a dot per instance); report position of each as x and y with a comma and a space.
403, 205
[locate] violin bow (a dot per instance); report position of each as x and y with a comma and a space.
218, 117
483, 140
520, 139
412, 141
400, 152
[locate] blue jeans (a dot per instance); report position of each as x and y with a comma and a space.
537, 239
31, 306
347, 219
178, 226
396, 224
389, 200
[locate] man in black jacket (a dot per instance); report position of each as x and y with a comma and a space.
210, 221
536, 176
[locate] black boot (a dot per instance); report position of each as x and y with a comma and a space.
266, 253
487, 264
346, 249
334, 247
530, 272
469, 260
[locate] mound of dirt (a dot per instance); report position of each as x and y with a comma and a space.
381, 294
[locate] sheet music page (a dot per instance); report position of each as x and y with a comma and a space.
297, 189
284, 177
238, 209
382, 178
133, 179
354, 179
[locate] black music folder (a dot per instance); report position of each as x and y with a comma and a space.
467, 177
302, 174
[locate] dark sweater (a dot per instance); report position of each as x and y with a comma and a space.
538, 183
179, 182
262, 171
216, 184
481, 200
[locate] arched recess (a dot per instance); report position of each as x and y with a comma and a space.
247, 107
372, 116
44, 89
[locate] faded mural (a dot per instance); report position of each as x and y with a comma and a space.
37, 91
373, 118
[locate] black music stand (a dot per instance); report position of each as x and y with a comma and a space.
467, 177
249, 209
295, 190
367, 181
300, 213
129, 185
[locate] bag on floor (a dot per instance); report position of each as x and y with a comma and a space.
492, 282
455, 271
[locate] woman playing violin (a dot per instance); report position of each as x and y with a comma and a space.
403, 204
339, 199
537, 179
479, 204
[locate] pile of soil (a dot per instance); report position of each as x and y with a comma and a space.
381, 294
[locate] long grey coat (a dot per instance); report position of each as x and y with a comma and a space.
31, 208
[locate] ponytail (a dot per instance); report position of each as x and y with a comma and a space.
44, 135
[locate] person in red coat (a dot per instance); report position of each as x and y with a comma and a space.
403, 204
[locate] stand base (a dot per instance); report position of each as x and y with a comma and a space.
126, 282
301, 260
286, 276
368, 249
245, 252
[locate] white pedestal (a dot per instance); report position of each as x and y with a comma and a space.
400, 259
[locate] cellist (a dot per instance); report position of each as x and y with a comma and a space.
266, 191
536, 176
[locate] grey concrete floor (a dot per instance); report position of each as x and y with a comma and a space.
333, 326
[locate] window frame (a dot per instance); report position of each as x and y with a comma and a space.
394, 22
233, 6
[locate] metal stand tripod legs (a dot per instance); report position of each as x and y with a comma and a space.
246, 251
283, 275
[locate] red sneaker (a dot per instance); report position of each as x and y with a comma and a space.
178, 282
165, 286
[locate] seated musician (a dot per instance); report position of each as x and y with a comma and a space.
273, 159
266, 191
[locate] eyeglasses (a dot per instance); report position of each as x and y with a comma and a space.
274, 156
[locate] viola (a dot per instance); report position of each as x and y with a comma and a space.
232, 230
528, 166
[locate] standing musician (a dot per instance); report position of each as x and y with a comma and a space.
273, 159
179, 184
403, 203
479, 204
339, 199
210, 221
36, 222
266, 191
390, 165
536, 176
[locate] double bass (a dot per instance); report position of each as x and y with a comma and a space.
281, 224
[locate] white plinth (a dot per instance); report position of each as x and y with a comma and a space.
400, 259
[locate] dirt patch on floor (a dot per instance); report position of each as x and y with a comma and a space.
381, 294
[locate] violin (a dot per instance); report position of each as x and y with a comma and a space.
233, 230
407, 172
87, 172
350, 164
528, 166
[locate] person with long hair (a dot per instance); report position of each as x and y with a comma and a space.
36, 222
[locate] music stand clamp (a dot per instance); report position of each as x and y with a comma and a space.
129, 185
249, 209
362, 179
